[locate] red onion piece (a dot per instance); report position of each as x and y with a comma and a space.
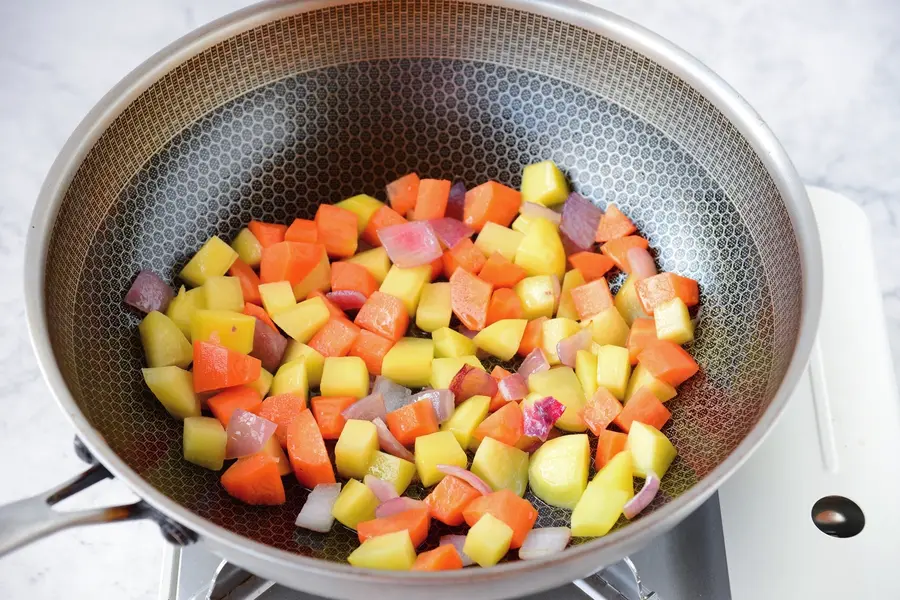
469, 477
450, 231
247, 433
568, 347
347, 299
456, 202
641, 263
442, 401
316, 512
538, 418
457, 541
544, 542
535, 362
410, 244
513, 387
530, 209
643, 498
383, 490
268, 346
398, 505
149, 292
471, 381
367, 409
578, 226
389, 443
395, 395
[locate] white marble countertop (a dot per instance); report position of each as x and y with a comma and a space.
825, 75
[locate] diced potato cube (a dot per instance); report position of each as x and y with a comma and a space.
263, 383
538, 296
522, 223
650, 450
618, 473
291, 378
488, 541
223, 293
449, 343
375, 261
605, 497
248, 248
363, 206
355, 449
434, 310
554, 331
389, 552
174, 388
641, 377
164, 344
407, 285
277, 297
232, 330
214, 258
204, 442
613, 369
408, 362
496, 238
567, 309
628, 303
586, 371
303, 320
562, 384
318, 279
440, 448
559, 470
444, 369
394, 470
355, 504
673, 322
502, 338
183, 306
608, 328
344, 376
500, 466
541, 251
543, 183
466, 418
314, 361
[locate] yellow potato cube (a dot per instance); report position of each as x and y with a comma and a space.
613, 369
553, 331
567, 309
558, 471
408, 362
174, 388
586, 371
521, 224
318, 279
248, 248
608, 328
543, 183
314, 361
650, 450
277, 297
223, 293
488, 541
303, 320
502, 338
164, 344
538, 296
627, 302
673, 322
443, 370
375, 261
449, 343
496, 238
204, 441
434, 310
562, 384
355, 504
291, 379
263, 383
407, 285
541, 251
440, 448
500, 466
394, 470
466, 418
618, 473
388, 552
641, 377
605, 497
355, 449
232, 330
214, 258
183, 306
344, 376
363, 206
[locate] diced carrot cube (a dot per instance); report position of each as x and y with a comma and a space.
642, 334
470, 298
223, 404
217, 367
533, 336
449, 499
289, 261
416, 521
302, 230
592, 298
601, 409
491, 201
403, 192
431, 202
282, 410
592, 265
661, 288
667, 361
412, 421
497, 400
350, 276
506, 425
255, 480
437, 267
337, 229
505, 505
307, 452
609, 443
372, 348
645, 407
327, 411
505, 304
617, 249
268, 234
463, 254
248, 279
442, 558
334, 338
385, 315
383, 217
614, 224
501, 272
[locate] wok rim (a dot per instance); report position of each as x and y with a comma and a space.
599, 552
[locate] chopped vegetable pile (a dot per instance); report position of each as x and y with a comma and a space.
328, 304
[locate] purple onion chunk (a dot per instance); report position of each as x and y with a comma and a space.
578, 227
149, 293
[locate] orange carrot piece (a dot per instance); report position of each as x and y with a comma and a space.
592, 298
385, 315
350, 276
223, 404
498, 401
282, 410
442, 558
268, 234
491, 201
254, 310
307, 452
217, 367
645, 407
403, 192
505, 505
505, 425
273, 448
327, 411
463, 254
500, 272
449, 499
302, 230
533, 336
412, 421
372, 348
333, 310
666, 361
335, 337
385, 216
592, 265
601, 409
431, 201
614, 224
609, 443
617, 249
505, 304
641, 335
416, 521
337, 229
255, 480
289, 261
661, 288
248, 279
470, 298
437, 268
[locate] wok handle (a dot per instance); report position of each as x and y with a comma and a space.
33, 518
